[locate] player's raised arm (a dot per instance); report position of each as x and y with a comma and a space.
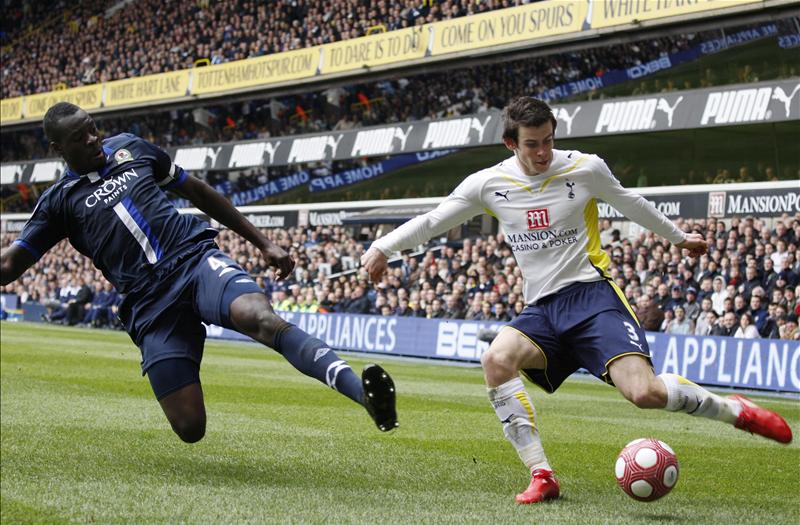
219, 208
459, 206
13, 263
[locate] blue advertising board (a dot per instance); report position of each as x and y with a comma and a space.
765, 364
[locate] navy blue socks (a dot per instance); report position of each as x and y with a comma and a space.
316, 359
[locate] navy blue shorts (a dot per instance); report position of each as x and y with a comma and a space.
585, 325
167, 321
169, 375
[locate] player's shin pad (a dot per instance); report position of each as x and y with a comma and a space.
513, 406
685, 396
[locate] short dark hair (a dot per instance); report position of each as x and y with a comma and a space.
526, 111
54, 115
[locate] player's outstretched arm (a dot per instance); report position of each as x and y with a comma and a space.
637, 208
459, 206
13, 263
219, 208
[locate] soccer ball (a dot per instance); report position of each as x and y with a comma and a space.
646, 469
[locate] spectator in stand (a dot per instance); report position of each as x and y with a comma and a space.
454, 309
486, 312
788, 276
681, 324
705, 307
706, 289
752, 281
769, 276
403, 310
519, 306
475, 307
691, 306
358, 303
757, 312
734, 277
435, 309
662, 295
780, 255
772, 325
728, 326
76, 307
500, 313
747, 329
706, 323
669, 316
790, 297
98, 312
740, 306
676, 299
789, 330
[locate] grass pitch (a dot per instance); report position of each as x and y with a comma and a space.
84, 441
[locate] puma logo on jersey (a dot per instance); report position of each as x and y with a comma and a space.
504, 195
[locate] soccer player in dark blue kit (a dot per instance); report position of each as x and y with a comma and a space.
112, 206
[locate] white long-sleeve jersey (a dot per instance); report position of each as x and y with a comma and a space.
550, 220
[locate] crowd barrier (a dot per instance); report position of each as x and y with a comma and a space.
761, 364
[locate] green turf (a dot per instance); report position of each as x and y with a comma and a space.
83, 441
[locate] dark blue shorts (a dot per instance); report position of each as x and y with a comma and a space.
170, 375
585, 325
166, 322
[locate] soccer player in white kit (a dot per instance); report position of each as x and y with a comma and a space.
576, 317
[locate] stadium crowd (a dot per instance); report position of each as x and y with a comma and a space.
418, 97
149, 36
746, 286
424, 96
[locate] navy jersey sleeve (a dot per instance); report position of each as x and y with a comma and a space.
167, 174
44, 229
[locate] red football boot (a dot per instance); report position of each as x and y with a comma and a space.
761, 421
544, 486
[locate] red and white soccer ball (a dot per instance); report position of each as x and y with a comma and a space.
646, 469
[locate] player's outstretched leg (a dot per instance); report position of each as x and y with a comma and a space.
685, 396
635, 379
311, 356
252, 315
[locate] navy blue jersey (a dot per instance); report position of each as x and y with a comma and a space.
120, 217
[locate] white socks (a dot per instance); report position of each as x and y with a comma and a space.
685, 396
513, 406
